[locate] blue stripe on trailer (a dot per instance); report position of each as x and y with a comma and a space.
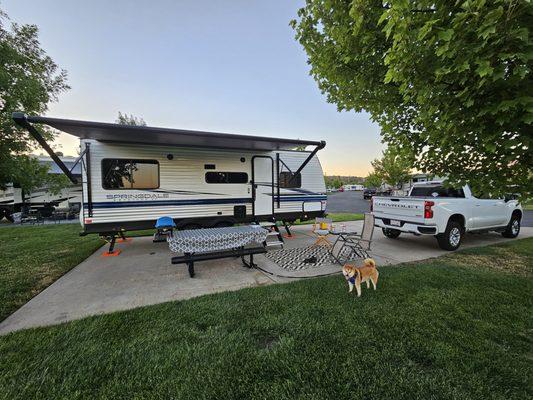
120, 204
302, 198
123, 204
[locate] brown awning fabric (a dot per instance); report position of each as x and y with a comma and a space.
116, 133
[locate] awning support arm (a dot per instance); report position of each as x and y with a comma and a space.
311, 155
285, 165
21, 119
78, 159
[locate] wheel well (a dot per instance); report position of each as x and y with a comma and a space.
518, 213
458, 218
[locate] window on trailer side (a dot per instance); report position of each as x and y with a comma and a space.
130, 174
226, 177
285, 177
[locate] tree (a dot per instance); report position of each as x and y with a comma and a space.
394, 168
449, 80
125, 119
373, 180
29, 81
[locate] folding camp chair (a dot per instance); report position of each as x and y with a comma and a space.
349, 246
322, 228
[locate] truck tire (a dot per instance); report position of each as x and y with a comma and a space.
451, 238
391, 233
513, 228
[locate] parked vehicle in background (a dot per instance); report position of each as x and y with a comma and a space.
348, 188
446, 213
368, 193
384, 192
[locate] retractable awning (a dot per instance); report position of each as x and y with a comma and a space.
117, 133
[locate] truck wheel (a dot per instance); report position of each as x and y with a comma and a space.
451, 238
513, 228
391, 233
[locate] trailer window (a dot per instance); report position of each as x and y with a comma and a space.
226, 177
285, 177
130, 174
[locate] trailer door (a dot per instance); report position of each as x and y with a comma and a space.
263, 185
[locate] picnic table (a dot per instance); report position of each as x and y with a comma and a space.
215, 243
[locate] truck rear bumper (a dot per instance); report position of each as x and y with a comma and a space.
406, 226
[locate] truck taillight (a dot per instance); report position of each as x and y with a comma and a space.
428, 212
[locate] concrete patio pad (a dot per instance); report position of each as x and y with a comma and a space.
143, 275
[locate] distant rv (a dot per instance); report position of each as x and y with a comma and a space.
347, 188
13, 199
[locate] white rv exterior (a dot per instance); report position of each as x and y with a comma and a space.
133, 175
184, 193
348, 188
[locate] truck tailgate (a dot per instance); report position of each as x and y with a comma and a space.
402, 208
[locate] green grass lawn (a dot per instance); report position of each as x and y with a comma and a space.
336, 217
458, 326
33, 257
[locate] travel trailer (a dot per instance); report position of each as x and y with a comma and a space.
132, 175
348, 188
13, 199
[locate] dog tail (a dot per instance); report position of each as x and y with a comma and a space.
369, 262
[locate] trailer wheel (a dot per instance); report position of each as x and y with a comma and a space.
192, 226
7, 215
451, 238
391, 233
513, 228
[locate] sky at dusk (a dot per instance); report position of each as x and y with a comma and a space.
224, 66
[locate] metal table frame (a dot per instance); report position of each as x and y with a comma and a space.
190, 258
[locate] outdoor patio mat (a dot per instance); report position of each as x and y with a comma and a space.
294, 259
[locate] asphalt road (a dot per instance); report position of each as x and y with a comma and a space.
352, 202
348, 202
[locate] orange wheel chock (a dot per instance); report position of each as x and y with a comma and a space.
113, 253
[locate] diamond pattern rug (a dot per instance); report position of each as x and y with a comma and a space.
295, 259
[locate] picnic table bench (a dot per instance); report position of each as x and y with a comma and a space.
215, 243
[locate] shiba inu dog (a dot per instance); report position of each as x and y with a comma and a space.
356, 275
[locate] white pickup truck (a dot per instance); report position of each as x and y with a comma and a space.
446, 213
